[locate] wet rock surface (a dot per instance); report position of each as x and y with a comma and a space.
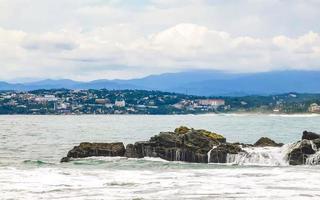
183, 144
300, 151
87, 149
219, 154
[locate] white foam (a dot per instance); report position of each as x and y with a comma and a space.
266, 156
187, 183
209, 153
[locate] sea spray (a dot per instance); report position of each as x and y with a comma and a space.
209, 153
313, 159
269, 156
313, 146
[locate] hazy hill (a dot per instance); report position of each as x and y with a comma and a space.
196, 82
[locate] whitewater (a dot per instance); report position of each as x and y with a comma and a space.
31, 147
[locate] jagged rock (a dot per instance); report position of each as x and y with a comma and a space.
190, 145
264, 142
183, 144
300, 151
219, 154
87, 149
310, 135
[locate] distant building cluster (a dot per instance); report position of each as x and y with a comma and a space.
212, 102
314, 108
103, 102
62, 101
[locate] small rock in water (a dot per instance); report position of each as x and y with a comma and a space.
267, 142
65, 159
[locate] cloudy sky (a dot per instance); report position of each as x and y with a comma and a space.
93, 39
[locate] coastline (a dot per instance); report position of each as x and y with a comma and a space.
183, 114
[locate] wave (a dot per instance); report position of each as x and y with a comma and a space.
294, 115
266, 114
260, 156
252, 156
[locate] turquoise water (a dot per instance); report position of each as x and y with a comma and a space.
31, 147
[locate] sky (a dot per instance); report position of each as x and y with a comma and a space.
122, 39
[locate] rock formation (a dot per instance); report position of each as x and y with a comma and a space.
87, 149
201, 146
300, 151
183, 144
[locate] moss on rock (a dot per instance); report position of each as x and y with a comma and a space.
211, 135
182, 130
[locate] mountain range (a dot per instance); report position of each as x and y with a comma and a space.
203, 82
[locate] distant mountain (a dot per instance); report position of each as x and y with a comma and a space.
206, 83
260, 84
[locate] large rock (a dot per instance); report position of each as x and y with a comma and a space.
300, 151
183, 144
87, 149
267, 142
310, 135
219, 154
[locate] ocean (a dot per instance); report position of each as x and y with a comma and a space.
32, 146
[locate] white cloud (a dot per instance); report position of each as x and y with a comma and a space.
89, 39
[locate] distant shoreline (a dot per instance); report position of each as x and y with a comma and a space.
200, 114
72, 102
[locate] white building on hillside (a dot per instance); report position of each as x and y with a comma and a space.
314, 108
212, 102
120, 103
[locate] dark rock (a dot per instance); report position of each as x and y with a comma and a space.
300, 152
310, 135
96, 149
183, 144
296, 157
132, 151
219, 154
65, 159
140, 150
264, 142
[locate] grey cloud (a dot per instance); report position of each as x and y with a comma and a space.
49, 45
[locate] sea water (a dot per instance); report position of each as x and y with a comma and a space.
31, 147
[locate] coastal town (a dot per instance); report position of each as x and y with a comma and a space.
103, 102
62, 101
